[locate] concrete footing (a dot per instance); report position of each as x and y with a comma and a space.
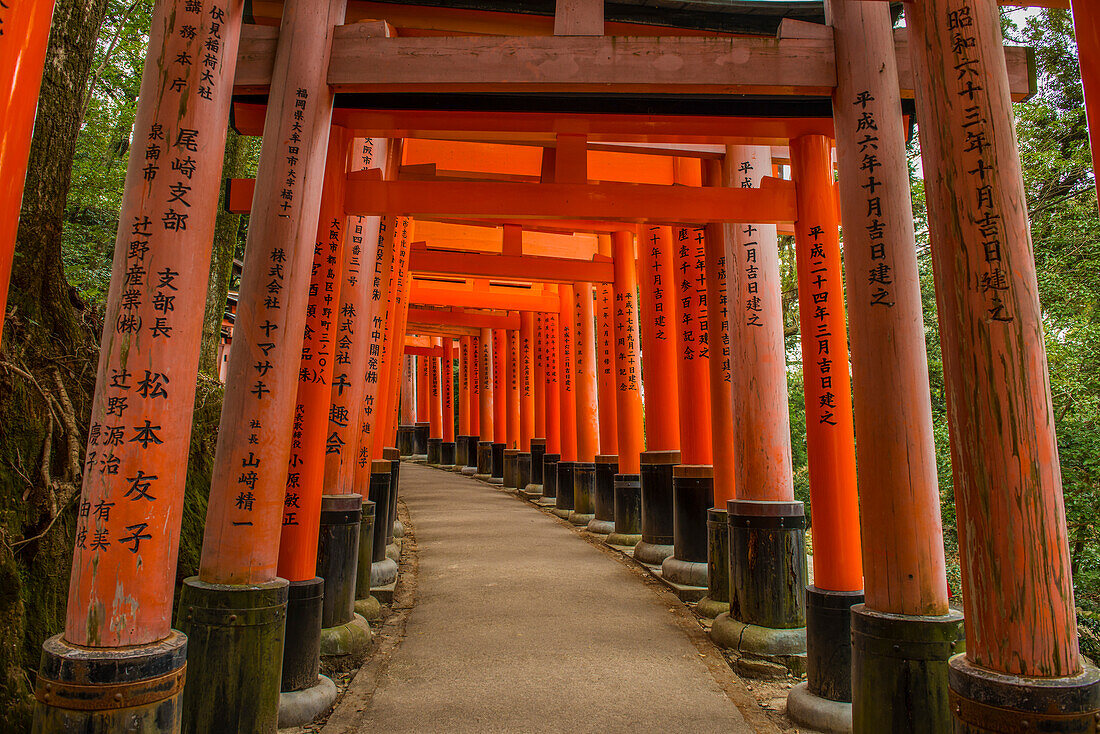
685, 573
652, 554
817, 713
383, 573
369, 609
601, 527
711, 608
624, 540
346, 646
762, 652
298, 708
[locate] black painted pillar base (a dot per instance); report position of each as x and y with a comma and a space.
470, 468
717, 600
338, 555
138, 689
766, 624
302, 651
584, 493
435, 451
462, 451
511, 467
900, 670
391, 455
523, 470
484, 460
365, 604
234, 647
420, 438
447, 452
550, 480
987, 702
538, 451
628, 511
824, 702
497, 477
692, 496
383, 570
406, 440
563, 502
657, 513
603, 495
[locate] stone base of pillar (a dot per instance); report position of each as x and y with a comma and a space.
563, 501
657, 507
468, 471
435, 451
523, 470
692, 496
406, 440
383, 572
338, 555
710, 607
603, 495
484, 461
366, 550
538, 453
344, 647
987, 702
369, 609
511, 467
584, 493
462, 450
684, 573
497, 475
83, 689
234, 633
398, 529
762, 652
302, 650
298, 708
421, 431
628, 511
447, 454
393, 552
471, 453
817, 713
550, 480
601, 527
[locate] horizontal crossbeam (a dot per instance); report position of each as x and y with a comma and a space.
524, 268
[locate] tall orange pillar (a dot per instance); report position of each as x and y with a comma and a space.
721, 353
563, 502
1020, 623
476, 431
657, 284
131, 497
626, 528
552, 409
896, 477
393, 351
585, 387
538, 377
26, 31
528, 345
511, 444
485, 405
462, 441
447, 376
248, 484
1086, 28
607, 458
500, 403
435, 399
423, 405
772, 604
407, 414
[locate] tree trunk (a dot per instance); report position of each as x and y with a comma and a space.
221, 259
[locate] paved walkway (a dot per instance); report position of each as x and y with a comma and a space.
522, 626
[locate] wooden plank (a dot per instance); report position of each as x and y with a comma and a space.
526, 268
609, 201
578, 18
460, 317
426, 293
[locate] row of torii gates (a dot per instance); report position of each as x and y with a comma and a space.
589, 206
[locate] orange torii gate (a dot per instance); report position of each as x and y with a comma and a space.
1021, 661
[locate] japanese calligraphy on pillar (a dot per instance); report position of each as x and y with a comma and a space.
607, 357
657, 284
626, 344
879, 274
526, 348
691, 289
821, 363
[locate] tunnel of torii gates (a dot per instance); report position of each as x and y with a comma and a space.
580, 205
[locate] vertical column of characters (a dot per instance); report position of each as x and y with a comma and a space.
584, 374
567, 398
693, 346
526, 375
394, 350
658, 324
551, 385
628, 393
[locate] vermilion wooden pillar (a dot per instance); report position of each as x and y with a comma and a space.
475, 404
1008, 486
25, 32
563, 497
585, 391
435, 399
248, 486
605, 360
512, 378
447, 377
716, 244
552, 383
394, 349
538, 377
408, 390
899, 503
464, 386
485, 405
131, 499
527, 339
499, 383
305, 470
423, 403
1086, 26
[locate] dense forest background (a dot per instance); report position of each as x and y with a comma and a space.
62, 271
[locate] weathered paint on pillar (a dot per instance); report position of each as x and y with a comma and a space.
423, 391
306, 468
499, 384
352, 330
693, 349
830, 437
721, 353
512, 374
435, 393
24, 33
1008, 488
527, 338
584, 373
1086, 27
567, 398
447, 377
628, 371
394, 350
899, 501
657, 283
761, 431
464, 386
485, 377
552, 386
128, 517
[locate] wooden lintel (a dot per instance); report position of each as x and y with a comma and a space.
578, 18
520, 300
614, 202
365, 61
526, 268
427, 351
449, 317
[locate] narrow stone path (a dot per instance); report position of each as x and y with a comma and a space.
521, 626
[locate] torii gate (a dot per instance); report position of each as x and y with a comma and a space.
1021, 661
